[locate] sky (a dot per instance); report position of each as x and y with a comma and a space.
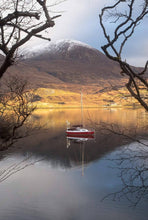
80, 21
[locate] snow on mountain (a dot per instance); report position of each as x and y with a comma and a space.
56, 47
69, 44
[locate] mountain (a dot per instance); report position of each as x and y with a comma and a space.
60, 70
73, 62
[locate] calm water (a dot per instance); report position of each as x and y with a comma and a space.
48, 177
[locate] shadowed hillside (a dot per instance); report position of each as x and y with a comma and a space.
74, 62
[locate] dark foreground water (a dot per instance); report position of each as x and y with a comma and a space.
49, 177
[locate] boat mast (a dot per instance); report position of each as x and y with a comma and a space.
82, 147
82, 119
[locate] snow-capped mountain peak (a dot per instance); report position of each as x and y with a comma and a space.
57, 47
70, 44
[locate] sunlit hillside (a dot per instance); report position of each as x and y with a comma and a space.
59, 72
56, 98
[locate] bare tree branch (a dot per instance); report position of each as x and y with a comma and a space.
21, 21
15, 108
124, 27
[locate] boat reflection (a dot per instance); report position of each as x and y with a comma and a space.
79, 139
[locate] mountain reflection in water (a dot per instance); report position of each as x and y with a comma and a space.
51, 176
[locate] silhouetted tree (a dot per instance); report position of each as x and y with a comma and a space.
126, 16
15, 108
21, 20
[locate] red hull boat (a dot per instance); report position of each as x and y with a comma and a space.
76, 131
79, 130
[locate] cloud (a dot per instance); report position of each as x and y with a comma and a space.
76, 18
80, 21
136, 49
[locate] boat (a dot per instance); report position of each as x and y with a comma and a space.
76, 131
79, 130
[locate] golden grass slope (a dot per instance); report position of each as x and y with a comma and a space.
58, 98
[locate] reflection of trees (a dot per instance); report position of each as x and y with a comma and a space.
16, 167
130, 134
132, 163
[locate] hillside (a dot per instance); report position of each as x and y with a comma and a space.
60, 70
74, 62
